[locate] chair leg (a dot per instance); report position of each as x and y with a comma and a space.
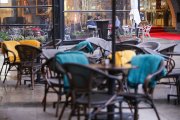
136, 116
71, 114
45, 97
64, 106
6, 72
32, 80
120, 110
57, 105
2, 68
154, 107
19, 79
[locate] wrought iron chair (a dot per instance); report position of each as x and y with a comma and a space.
29, 62
83, 82
147, 76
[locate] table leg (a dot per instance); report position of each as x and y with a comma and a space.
111, 85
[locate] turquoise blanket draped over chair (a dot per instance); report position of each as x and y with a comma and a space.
71, 57
147, 64
85, 44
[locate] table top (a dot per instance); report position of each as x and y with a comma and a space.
166, 46
111, 67
49, 53
153, 52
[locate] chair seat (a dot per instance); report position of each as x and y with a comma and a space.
55, 82
97, 99
135, 97
29, 64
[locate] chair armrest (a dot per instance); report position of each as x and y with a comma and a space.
12, 53
150, 76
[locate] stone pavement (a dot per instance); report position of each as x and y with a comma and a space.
25, 104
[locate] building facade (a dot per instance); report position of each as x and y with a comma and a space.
67, 19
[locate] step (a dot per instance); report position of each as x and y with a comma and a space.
157, 29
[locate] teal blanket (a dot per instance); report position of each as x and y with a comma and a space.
70, 57
85, 44
147, 64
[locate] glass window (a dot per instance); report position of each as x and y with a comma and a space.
82, 17
26, 19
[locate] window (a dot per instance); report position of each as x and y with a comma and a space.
26, 19
77, 13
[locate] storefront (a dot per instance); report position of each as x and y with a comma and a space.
156, 12
78, 12
67, 19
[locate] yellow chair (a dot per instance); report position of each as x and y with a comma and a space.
11, 57
34, 43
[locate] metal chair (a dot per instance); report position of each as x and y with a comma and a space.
83, 82
146, 32
29, 62
53, 82
152, 73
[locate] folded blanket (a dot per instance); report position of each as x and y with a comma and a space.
147, 64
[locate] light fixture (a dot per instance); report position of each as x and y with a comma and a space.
3, 1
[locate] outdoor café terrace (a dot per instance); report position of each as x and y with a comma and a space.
23, 103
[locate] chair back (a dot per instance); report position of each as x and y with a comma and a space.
70, 57
136, 49
123, 57
34, 43
148, 28
150, 44
28, 53
150, 70
83, 78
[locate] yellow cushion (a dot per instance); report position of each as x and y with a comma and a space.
34, 43
10, 45
123, 57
